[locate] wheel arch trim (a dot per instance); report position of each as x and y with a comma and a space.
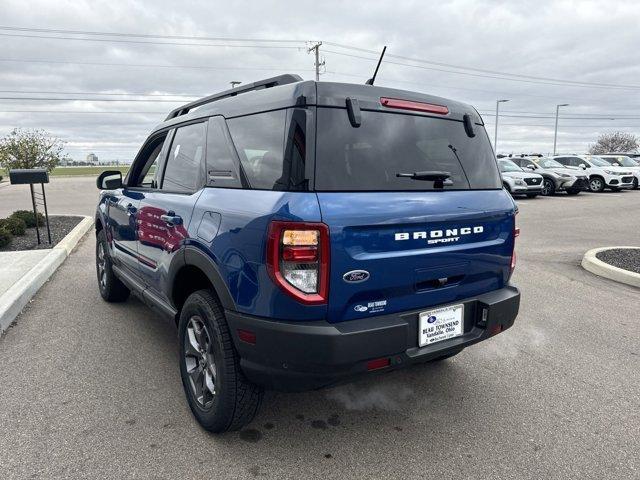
195, 257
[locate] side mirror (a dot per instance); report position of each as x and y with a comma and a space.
583, 166
616, 164
109, 180
531, 167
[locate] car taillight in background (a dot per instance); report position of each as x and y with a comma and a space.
298, 259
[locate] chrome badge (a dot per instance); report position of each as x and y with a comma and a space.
356, 276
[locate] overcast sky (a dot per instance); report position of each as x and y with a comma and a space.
535, 53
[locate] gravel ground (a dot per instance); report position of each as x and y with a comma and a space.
60, 226
625, 258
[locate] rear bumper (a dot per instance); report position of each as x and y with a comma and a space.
296, 356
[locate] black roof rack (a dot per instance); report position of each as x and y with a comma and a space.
259, 85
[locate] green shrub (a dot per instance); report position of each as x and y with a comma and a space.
15, 225
5, 237
28, 218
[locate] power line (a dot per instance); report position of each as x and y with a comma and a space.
36, 92
113, 40
85, 112
148, 65
481, 70
487, 73
495, 77
58, 99
143, 35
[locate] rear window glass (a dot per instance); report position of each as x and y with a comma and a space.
385, 144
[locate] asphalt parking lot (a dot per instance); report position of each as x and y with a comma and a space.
90, 389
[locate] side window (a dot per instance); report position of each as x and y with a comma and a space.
562, 160
184, 171
259, 141
145, 171
222, 160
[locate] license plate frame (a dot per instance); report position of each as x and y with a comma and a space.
428, 321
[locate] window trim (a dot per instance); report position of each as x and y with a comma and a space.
167, 133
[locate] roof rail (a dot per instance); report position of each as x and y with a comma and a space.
249, 87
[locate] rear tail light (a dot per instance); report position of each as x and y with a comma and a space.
516, 234
298, 260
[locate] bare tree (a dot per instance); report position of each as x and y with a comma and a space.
617, 142
31, 149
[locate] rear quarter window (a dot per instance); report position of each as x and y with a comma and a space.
369, 157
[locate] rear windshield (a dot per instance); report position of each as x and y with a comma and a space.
369, 157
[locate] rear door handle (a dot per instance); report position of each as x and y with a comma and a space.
171, 219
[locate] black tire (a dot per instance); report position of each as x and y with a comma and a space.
532, 195
448, 355
635, 184
548, 187
573, 192
596, 184
210, 365
110, 286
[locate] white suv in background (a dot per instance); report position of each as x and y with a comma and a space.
517, 181
601, 173
626, 162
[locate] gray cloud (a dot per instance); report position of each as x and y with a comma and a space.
593, 42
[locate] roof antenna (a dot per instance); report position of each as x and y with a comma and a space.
373, 79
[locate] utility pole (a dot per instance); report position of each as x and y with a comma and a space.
316, 49
555, 135
234, 83
495, 135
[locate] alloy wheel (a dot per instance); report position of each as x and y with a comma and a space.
595, 184
546, 187
199, 362
101, 263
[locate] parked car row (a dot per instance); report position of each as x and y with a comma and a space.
572, 174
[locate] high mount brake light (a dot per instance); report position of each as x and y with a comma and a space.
298, 260
416, 106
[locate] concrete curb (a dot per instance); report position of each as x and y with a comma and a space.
602, 269
19, 295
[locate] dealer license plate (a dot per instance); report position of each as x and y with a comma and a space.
440, 324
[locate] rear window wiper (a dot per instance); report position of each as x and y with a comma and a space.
439, 178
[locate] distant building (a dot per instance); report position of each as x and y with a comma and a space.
92, 158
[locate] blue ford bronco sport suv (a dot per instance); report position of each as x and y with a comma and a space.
302, 234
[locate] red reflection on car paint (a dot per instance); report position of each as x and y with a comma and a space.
154, 231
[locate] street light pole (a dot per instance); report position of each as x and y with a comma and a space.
495, 135
555, 135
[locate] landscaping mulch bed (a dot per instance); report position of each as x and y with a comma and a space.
625, 258
60, 227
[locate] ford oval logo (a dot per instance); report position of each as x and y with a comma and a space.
431, 319
356, 276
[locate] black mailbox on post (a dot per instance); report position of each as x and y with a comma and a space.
25, 176
29, 176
